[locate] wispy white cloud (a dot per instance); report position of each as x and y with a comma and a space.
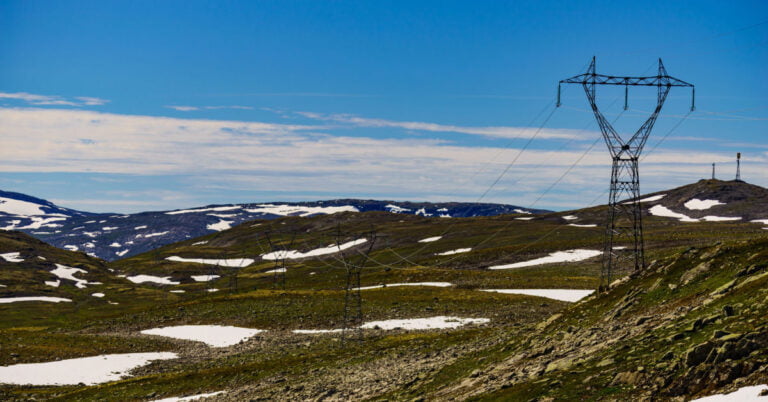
194, 108
53, 100
492, 131
285, 158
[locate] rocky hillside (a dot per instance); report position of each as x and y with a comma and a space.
691, 325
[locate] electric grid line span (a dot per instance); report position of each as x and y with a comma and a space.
624, 224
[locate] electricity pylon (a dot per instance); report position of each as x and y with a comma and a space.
623, 250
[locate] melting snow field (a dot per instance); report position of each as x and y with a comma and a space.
316, 331
293, 210
392, 285
659, 210
204, 278
65, 272
212, 335
214, 209
232, 262
12, 257
698, 204
568, 295
189, 398
430, 239
440, 322
151, 278
744, 394
276, 271
763, 221
87, 370
457, 251
294, 254
557, 256
34, 298
21, 208
220, 225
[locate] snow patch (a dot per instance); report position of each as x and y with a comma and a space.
214, 209
586, 225
570, 217
294, 254
568, 295
151, 278
660, 210
440, 322
527, 218
140, 227
99, 295
55, 283
122, 253
65, 272
32, 298
557, 256
316, 331
396, 209
37, 223
710, 218
70, 247
200, 243
232, 262
21, 208
220, 225
87, 370
763, 221
743, 394
430, 239
212, 335
521, 211
204, 278
698, 204
392, 285
147, 236
276, 271
298, 210
422, 212
12, 257
115, 244
457, 251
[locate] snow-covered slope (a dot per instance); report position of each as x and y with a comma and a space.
113, 236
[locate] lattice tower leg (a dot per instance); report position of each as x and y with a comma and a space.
623, 251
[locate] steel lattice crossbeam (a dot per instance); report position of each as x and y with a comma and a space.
623, 250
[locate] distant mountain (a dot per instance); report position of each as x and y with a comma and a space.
113, 236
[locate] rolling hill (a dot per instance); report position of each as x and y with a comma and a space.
493, 307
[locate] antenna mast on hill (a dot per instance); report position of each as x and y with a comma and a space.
738, 166
623, 250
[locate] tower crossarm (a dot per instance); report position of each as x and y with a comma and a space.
601, 79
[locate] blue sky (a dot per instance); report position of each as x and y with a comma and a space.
141, 105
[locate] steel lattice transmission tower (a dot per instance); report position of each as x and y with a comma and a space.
623, 250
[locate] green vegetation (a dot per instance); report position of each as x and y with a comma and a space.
635, 340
